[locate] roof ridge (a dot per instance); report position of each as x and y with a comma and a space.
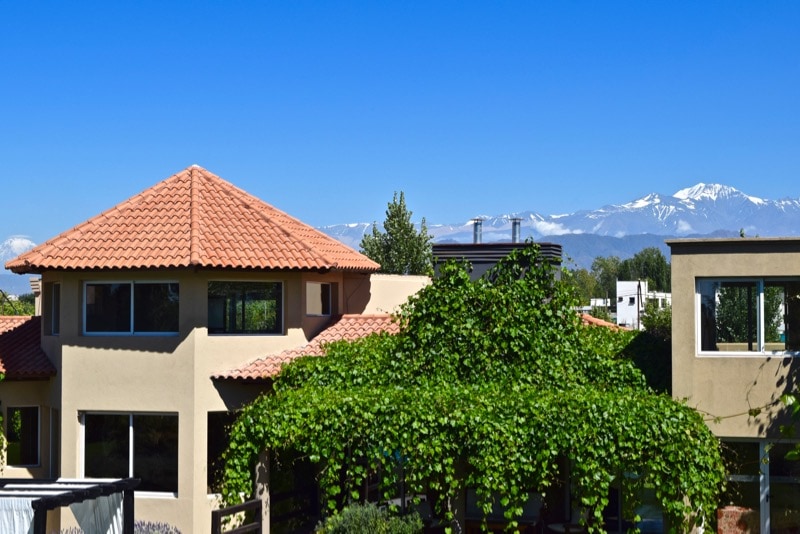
194, 216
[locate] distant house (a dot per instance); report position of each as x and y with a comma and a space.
632, 297
735, 349
160, 317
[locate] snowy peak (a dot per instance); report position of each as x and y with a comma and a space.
13, 247
713, 192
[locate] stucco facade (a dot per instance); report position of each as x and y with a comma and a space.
734, 353
180, 260
169, 374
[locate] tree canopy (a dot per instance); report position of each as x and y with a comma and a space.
399, 248
647, 264
23, 305
494, 385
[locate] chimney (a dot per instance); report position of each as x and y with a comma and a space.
515, 226
476, 230
36, 289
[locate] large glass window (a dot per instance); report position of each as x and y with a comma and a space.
764, 483
761, 315
22, 434
245, 307
131, 307
144, 446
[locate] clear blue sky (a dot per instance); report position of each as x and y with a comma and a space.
324, 109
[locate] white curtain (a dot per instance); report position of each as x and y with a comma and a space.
102, 515
16, 515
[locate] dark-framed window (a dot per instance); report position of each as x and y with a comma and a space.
145, 446
245, 307
55, 309
22, 435
318, 298
131, 308
218, 439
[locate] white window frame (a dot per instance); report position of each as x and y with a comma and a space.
760, 327
131, 331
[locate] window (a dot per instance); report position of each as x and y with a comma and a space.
132, 445
55, 310
22, 434
218, 435
318, 298
762, 480
131, 307
749, 315
245, 307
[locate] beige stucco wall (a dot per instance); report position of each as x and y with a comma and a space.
386, 292
725, 385
163, 374
23, 393
171, 374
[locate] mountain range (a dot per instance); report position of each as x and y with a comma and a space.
624, 229
614, 230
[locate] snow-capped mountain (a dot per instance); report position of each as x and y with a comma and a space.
698, 210
618, 229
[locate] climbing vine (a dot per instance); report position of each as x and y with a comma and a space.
490, 384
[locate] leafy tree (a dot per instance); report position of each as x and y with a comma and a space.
606, 271
494, 385
601, 312
658, 321
647, 264
399, 248
585, 284
23, 305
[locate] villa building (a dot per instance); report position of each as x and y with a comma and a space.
160, 317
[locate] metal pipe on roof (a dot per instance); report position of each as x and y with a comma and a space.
477, 228
516, 222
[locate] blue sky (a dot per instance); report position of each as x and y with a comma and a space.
324, 109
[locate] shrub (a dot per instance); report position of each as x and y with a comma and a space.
139, 527
369, 519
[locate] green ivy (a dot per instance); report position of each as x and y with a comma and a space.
490, 384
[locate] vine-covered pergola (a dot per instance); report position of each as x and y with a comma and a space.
493, 385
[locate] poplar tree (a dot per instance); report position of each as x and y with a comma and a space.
399, 247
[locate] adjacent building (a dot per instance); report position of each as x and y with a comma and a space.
735, 348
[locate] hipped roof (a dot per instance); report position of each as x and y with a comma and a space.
192, 219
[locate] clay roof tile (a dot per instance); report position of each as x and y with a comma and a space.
346, 327
21, 354
193, 218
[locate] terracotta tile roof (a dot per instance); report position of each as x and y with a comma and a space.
192, 219
590, 320
21, 354
347, 327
